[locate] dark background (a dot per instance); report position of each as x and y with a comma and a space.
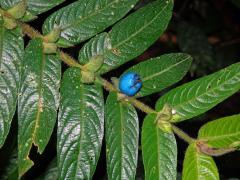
209, 30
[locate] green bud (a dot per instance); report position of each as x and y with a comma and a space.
64, 43
163, 119
235, 144
18, 10
165, 126
94, 63
49, 48
9, 23
165, 114
87, 77
28, 17
53, 36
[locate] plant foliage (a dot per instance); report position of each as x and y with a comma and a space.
44, 93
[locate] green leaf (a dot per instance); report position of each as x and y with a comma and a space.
80, 127
51, 172
83, 19
38, 103
159, 150
198, 166
134, 34
193, 41
161, 72
198, 96
11, 55
221, 132
122, 133
34, 7
96, 46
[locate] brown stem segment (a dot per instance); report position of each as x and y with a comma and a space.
29, 31
204, 148
69, 60
138, 104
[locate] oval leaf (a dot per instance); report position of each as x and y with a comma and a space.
221, 132
198, 96
161, 72
34, 7
134, 34
80, 127
11, 55
122, 133
38, 103
83, 19
159, 150
198, 166
96, 46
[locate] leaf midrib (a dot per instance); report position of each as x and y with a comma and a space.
121, 124
210, 90
158, 152
213, 138
40, 99
163, 71
1, 44
141, 29
197, 160
88, 16
81, 92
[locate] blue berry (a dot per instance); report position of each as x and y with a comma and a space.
130, 83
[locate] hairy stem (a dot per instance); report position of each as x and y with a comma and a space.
182, 134
206, 149
29, 31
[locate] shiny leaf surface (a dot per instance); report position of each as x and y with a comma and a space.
96, 46
198, 166
11, 55
221, 132
159, 150
38, 103
80, 127
34, 7
134, 34
198, 96
161, 72
83, 19
122, 131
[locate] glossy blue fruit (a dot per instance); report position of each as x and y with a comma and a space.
130, 83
